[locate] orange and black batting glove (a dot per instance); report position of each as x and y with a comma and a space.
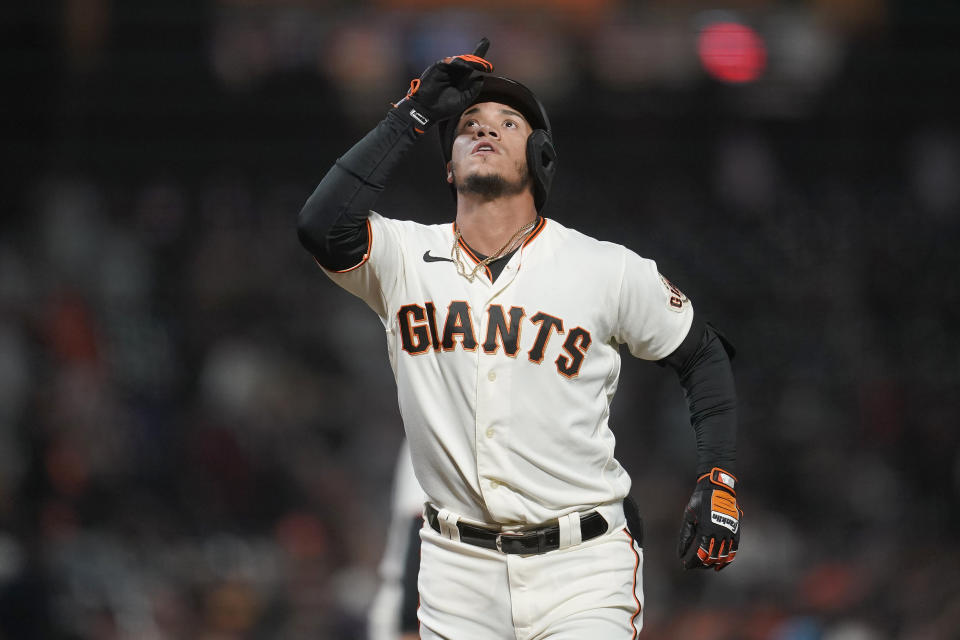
710, 530
446, 88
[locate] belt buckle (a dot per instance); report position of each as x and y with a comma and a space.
509, 534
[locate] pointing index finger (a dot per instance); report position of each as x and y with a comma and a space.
481, 49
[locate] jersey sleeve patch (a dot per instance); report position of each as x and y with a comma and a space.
675, 298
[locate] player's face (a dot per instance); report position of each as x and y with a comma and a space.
490, 147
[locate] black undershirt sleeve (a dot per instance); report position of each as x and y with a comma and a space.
702, 362
332, 224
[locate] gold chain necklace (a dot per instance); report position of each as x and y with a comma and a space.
470, 275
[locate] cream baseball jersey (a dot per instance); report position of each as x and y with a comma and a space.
505, 386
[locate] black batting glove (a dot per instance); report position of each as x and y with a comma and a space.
446, 88
710, 531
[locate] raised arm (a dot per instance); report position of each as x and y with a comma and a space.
332, 224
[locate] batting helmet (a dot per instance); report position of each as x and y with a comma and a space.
541, 154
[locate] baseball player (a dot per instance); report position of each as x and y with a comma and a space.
393, 613
503, 330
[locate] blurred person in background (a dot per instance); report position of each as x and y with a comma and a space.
393, 614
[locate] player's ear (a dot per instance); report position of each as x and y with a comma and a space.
450, 172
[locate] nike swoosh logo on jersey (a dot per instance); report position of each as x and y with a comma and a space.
429, 258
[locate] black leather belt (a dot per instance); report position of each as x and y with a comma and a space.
521, 542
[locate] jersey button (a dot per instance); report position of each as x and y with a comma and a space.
490, 432
494, 484
491, 376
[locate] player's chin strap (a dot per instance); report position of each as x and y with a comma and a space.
448, 525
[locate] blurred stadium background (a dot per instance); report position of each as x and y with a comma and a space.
197, 430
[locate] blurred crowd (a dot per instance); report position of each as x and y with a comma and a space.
198, 430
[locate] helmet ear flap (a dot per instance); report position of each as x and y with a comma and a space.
542, 163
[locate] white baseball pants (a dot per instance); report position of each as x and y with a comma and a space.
592, 590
